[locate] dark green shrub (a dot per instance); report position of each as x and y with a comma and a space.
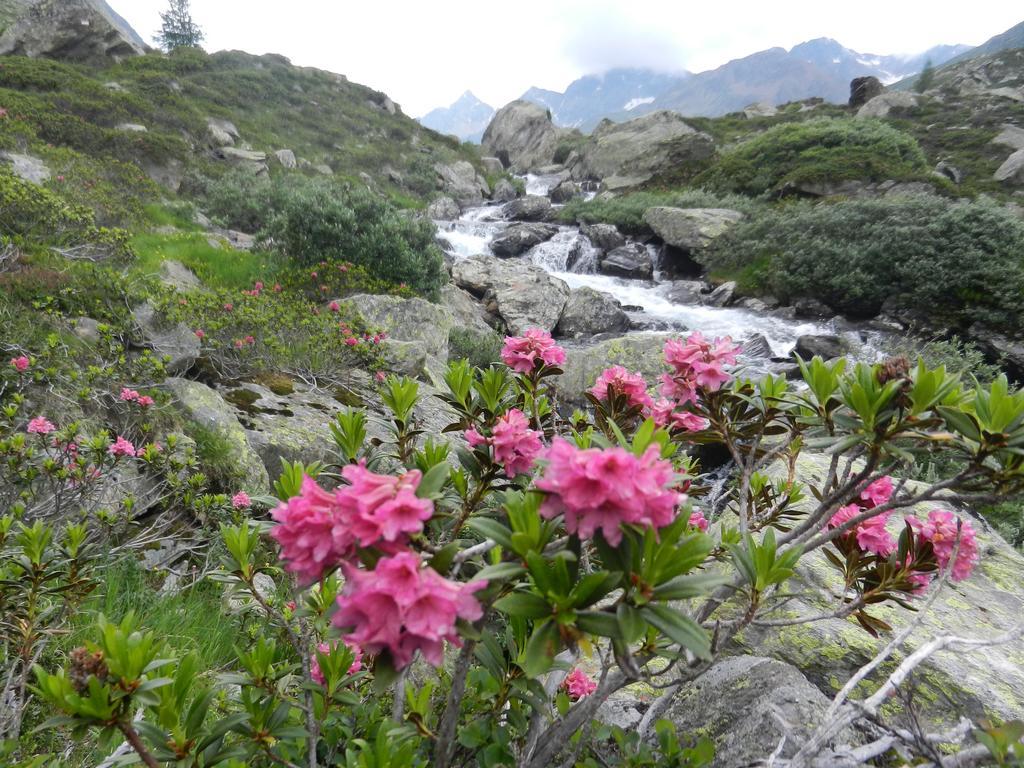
627, 212
481, 349
828, 150
960, 262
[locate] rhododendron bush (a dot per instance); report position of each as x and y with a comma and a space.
475, 601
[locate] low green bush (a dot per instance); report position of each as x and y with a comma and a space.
627, 212
960, 262
827, 150
479, 348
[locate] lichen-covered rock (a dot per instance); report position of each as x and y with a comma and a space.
72, 30
741, 703
504, 191
522, 136
588, 312
462, 183
286, 158
690, 229
416, 322
467, 312
630, 261
825, 346
205, 407
176, 275
564, 191
604, 237
529, 208
638, 352
522, 294
26, 167
177, 342
883, 104
1012, 170
519, 238
443, 209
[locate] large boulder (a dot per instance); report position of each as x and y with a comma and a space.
522, 294
468, 314
1009, 351
825, 346
444, 209
26, 167
519, 238
87, 31
639, 352
286, 158
1011, 136
883, 104
745, 705
221, 133
588, 312
461, 182
604, 237
631, 261
176, 275
564, 191
529, 208
414, 322
177, 344
504, 191
253, 161
863, 90
206, 408
1012, 171
628, 154
984, 682
522, 136
690, 229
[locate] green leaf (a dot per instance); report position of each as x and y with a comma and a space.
679, 629
598, 623
539, 654
432, 482
524, 604
500, 572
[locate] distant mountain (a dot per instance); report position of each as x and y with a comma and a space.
820, 67
466, 118
1011, 38
591, 98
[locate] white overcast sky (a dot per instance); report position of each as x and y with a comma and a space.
425, 54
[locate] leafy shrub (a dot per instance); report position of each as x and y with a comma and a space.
957, 262
480, 349
627, 212
814, 151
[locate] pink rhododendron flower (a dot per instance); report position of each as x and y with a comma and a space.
380, 376
515, 445
351, 341
312, 537
941, 530
622, 382
402, 607
200, 333
128, 395
40, 426
334, 306
600, 489
241, 500
229, 307
145, 401
697, 520
326, 648
871, 534
121, 447
523, 353
697, 362
21, 363
665, 414
382, 507
579, 684
878, 493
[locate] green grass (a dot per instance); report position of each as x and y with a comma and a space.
217, 267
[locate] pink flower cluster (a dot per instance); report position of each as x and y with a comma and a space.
20, 364
579, 684
535, 347
515, 445
698, 521
941, 530
131, 396
121, 447
668, 414
327, 648
600, 489
696, 363
257, 289
403, 607
241, 500
619, 381
40, 426
248, 341
317, 530
871, 534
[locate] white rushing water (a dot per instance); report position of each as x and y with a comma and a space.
646, 302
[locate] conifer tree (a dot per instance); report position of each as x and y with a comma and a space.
178, 30
926, 79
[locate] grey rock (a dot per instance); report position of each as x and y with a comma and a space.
825, 346
632, 261
1012, 171
521, 136
467, 312
807, 307
323, 169
87, 329
739, 703
564, 191
604, 237
27, 167
883, 104
722, 296
756, 346
168, 174
1008, 350
178, 343
627, 154
205, 406
760, 109
529, 208
176, 275
218, 135
132, 128
492, 165
588, 312
1011, 136
519, 238
686, 292
461, 182
412, 321
504, 191
523, 295
754, 305
949, 171
286, 158
248, 159
638, 352
863, 90
444, 209
690, 229
70, 30
1013, 94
